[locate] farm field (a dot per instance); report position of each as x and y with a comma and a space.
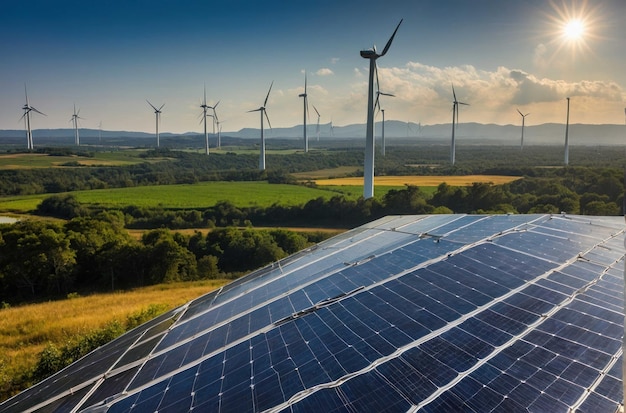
243, 194
433, 181
42, 160
183, 196
25, 330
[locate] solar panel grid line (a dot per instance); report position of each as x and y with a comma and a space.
614, 359
465, 317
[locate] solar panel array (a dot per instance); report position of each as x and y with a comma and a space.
434, 313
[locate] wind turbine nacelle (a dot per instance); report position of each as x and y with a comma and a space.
368, 53
303, 95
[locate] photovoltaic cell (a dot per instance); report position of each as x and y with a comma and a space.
475, 313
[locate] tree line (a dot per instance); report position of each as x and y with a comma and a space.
43, 259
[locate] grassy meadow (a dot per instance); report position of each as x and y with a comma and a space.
43, 160
244, 194
26, 329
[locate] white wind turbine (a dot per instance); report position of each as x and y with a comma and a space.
368, 169
26, 116
523, 124
455, 117
377, 104
263, 113
566, 135
74, 119
317, 128
305, 115
216, 121
204, 107
157, 113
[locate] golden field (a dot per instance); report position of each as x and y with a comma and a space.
26, 329
464, 180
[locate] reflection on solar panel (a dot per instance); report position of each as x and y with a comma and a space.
415, 313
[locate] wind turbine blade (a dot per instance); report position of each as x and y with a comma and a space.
26, 94
268, 119
390, 39
35, 110
386, 94
255, 110
377, 81
161, 107
204, 101
305, 82
518, 111
153, 107
318, 114
453, 93
215, 106
462, 103
268, 94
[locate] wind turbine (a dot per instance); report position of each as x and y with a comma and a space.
377, 104
566, 136
523, 122
306, 112
74, 119
332, 128
368, 170
317, 128
157, 113
204, 107
27, 109
100, 132
215, 120
263, 113
455, 116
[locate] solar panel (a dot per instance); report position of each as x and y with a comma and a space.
474, 313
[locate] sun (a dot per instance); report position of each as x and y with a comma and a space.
574, 30
573, 26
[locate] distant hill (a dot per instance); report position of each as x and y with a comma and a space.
545, 134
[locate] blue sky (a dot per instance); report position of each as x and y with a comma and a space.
108, 57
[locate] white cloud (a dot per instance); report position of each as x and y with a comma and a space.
334, 60
324, 72
493, 95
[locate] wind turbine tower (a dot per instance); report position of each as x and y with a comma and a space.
306, 112
27, 109
74, 119
566, 136
216, 120
523, 124
157, 113
263, 113
455, 117
368, 170
204, 107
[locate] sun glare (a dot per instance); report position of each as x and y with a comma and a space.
573, 26
574, 30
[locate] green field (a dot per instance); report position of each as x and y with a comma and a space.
190, 196
40, 160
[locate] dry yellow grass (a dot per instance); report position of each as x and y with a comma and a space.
25, 330
464, 180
